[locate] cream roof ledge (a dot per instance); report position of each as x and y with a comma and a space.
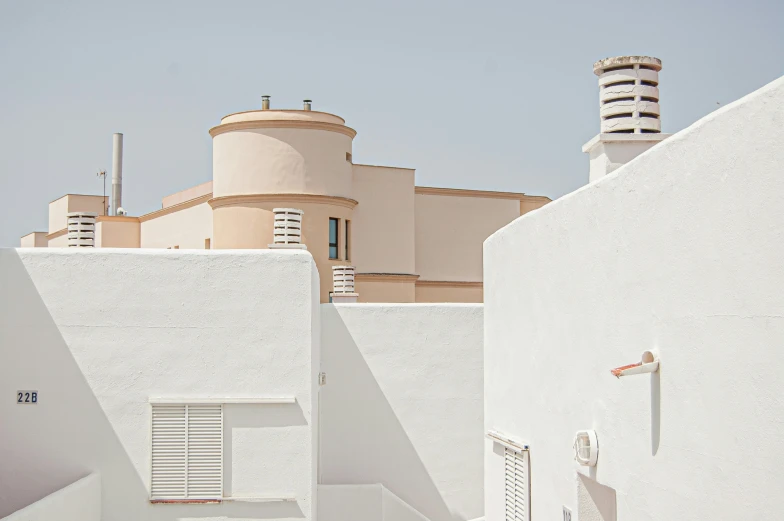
304, 119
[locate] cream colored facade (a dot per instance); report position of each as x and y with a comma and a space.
408, 243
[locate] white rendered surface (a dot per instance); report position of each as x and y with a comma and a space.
608, 152
403, 403
678, 250
99, 332
363, 503
80, 501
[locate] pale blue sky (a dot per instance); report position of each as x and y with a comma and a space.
483, 95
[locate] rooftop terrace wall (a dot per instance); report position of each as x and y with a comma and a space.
679, 250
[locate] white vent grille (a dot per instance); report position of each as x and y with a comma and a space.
342, 279
287, 226
81, 229
516, 484
187, 451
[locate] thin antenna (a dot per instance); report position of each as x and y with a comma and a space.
102, 173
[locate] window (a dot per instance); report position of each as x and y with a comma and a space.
207, 244
348, 157
187, 451
516, 485
348, 234
333, 238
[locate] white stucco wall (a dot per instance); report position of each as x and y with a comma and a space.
98, 332
185, 228
679, 250
363, 503
80, 500
403, 403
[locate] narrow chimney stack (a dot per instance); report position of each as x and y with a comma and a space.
265, 103
629, 113
117, 161
306, 104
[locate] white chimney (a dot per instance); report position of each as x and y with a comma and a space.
117, 160
343, 284
81, 229
287, 229
629, 112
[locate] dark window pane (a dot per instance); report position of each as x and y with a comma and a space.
333, 238
348, 234
333, 231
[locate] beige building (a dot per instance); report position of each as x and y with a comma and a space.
408, 243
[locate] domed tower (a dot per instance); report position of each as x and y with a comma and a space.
629, 112
265, 159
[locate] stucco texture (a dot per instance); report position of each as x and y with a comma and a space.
100, 332
80, 501
403, 403
679, 250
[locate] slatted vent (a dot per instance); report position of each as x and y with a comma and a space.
187, 451
516, 483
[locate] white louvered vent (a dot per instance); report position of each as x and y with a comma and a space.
516, 483
187, 451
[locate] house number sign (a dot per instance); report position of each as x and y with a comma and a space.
26, 396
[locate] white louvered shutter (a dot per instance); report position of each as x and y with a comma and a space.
187, 452
205, 451
516, 483
169, 436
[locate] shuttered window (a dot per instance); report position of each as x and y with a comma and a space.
187, 451
516, 484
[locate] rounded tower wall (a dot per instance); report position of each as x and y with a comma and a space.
281, 160
272, 152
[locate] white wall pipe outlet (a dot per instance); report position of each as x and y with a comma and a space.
649, 363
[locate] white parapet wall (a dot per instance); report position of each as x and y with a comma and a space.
363, 503
100, 335
402, 404
678, 251
80, 501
